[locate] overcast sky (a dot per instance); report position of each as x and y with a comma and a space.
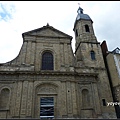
22, 16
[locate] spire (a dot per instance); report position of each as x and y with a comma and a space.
81, 15
47, 24
80, 10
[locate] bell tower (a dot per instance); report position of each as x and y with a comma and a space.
87, 48
83, 28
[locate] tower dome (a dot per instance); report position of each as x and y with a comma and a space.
83, 28
82, 16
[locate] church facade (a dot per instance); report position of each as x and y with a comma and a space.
48, 80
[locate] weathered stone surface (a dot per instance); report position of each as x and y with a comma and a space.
77, 83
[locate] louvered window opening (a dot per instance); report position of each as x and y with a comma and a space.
47, 107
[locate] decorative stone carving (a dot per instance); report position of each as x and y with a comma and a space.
46, 89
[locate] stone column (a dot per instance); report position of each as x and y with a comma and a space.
18, 99
63, 106
24, 99
74, 100
28, 56
66, 54
62, 54
13, 100
69, 99
33, 53
29, 100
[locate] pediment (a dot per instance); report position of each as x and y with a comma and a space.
47, 31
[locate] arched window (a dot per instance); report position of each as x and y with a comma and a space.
92, 53
87, 28
47, 61
4, 98
85, 98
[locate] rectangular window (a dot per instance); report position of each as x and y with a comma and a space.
104, 102
46, 107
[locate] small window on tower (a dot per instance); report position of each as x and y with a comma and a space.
92, 53
87, 28
104, 102
76, 33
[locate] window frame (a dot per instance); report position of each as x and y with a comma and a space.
92, 54
46, 107
47, 61
87, 29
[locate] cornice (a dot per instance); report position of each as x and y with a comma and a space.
46, 73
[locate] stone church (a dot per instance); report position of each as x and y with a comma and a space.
48, 80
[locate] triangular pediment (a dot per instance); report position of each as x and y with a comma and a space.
47, 31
